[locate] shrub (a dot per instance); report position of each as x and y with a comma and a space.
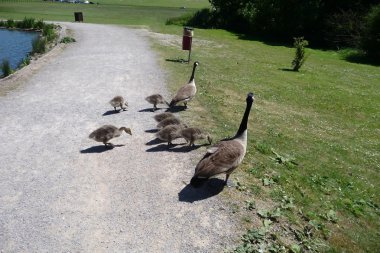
371, 37
10, 23
67, 40
39, 45
299, 58
2, 23
6, 68
203, 19
25, 62
343, 29
26, 23
39, 24
182, 20
48, 32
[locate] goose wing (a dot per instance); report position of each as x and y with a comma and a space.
220, 158
103, 133
185, 92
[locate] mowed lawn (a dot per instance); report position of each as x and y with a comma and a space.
326, 119
322, 122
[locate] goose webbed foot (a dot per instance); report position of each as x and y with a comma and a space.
228, 183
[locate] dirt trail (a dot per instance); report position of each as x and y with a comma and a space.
62, 192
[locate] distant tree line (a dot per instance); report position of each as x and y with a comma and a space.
326, 23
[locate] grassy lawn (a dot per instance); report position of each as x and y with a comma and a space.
125, 12
326, 119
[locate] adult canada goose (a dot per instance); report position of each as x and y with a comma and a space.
156, 99
169, 133
192, 134
225, 156
160, 117
186, 92
107, 132
169, 121
119, 101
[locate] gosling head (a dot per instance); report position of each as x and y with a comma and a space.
127, 130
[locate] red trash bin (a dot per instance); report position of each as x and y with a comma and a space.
187, 38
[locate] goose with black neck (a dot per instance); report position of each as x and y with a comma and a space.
225, 156
187, 91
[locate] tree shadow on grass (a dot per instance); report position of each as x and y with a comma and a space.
211, 188
99, 149
361, 58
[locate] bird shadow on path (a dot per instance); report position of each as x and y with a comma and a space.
99, 149
154, 142
152, 131
173, 148
110, 112
211, 188
150, 109
177, 108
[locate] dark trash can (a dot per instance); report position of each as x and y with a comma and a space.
78, 16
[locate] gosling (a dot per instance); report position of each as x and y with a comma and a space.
107, 132
169, 121
119, 101
192, 134
156, 99
169, 133
160, 117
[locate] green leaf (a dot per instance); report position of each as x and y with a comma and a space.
295, 248
267, 223
263, 213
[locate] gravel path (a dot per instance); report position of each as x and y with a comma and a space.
62, 192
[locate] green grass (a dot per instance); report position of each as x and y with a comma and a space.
138, 13
325, 118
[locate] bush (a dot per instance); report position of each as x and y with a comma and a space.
39, 24
343, 29
371, 37
26, 23
25, 62
39, 45
6, 68
299, 58
203, 19
48, 32
10, 23
182, 20
67, 40
2, 23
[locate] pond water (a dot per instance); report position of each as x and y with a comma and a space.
15, 46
